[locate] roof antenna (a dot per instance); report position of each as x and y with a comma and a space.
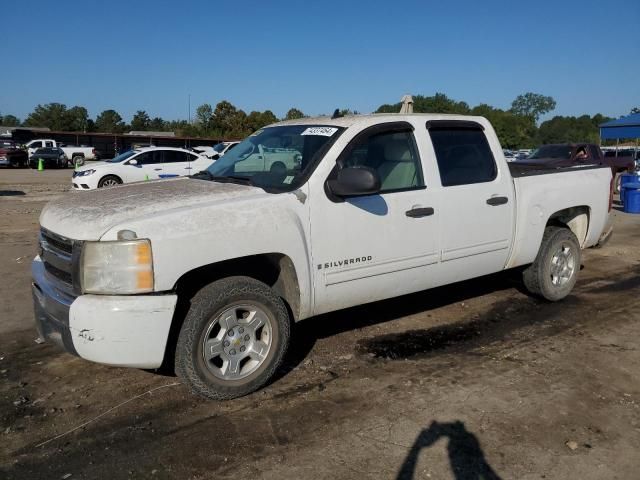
336, 114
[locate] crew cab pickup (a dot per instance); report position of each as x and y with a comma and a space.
209, 273
75, 155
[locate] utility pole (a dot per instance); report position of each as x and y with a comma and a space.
189, 107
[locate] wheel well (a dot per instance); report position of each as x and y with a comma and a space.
78, 154
575, 219
110, 175
274, 269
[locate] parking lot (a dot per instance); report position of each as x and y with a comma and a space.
473, 380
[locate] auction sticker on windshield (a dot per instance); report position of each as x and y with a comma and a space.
322, 131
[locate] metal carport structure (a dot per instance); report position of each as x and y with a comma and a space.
625, 127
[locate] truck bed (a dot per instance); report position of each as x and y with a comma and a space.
523, 169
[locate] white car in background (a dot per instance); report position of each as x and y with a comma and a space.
149, 163
217, 150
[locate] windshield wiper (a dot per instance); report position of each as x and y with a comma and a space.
223, 178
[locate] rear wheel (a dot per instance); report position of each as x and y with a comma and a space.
77, 160
109, 181
554, 272
233, 338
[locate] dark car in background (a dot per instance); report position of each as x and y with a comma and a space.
52, 157
11, 155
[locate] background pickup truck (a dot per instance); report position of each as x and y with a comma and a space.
577, 154
209, 273
75, 155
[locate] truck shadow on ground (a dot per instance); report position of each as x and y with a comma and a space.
465, 454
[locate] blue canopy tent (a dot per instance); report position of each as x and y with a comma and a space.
625, 127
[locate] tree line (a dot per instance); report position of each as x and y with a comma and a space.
517, 127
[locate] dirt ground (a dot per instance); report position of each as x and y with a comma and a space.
475, 380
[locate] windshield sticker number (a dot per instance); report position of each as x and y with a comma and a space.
321, 131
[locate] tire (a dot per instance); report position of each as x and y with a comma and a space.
109, 181
617, 182
554, 272
221, 314
77, 160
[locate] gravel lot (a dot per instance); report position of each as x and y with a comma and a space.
475, 380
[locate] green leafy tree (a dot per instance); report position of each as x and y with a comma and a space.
294, 114
9, 121
230, 122
157, 124
109, 121
438, 103
257, 120
51, 115
532, 105
77, 118
204, 116
571, 129
140, 121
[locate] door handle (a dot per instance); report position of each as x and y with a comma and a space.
419, 212
158, 169
494, 201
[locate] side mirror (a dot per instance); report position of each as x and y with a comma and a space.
353, 181
133, 162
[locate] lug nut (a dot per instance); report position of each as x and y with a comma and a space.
241, 330
233, 351
246, 338
226, 343
243, 348
231, 333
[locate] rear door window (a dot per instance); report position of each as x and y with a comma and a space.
175, 156
463, 155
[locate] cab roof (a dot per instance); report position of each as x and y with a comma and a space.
375, 118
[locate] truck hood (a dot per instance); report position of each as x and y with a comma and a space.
88, 215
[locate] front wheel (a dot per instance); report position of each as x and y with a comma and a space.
233, 339
554, 272
109, 181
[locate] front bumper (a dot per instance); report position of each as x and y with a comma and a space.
121, 330
87, 182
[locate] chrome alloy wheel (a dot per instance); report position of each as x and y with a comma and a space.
563, 265
237, 342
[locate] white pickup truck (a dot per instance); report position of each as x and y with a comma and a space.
209, 273
75, 155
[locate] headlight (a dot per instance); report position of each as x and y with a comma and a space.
84, 173
118, 267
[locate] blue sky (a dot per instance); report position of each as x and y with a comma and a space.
317, 55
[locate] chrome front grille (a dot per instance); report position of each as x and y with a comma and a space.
59, 255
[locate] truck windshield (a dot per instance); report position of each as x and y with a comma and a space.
276, 158
552, 151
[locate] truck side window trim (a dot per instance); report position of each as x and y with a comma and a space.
374, 131
457, 124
